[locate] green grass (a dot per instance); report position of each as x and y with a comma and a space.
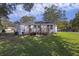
72, 37
61, 44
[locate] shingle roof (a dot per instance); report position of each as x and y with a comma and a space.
38, 22
43, 22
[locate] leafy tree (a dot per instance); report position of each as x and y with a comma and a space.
7, 8
75, 22
58, 17
27, 19
28, 6
52, 14
64, 25
6, 23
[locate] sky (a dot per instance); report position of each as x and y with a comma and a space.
38, 11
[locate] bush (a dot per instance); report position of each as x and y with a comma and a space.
3, 31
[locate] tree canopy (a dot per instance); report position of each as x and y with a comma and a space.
75, 22
26, 19
8, 8
52, 14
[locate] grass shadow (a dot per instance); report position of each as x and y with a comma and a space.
36, 46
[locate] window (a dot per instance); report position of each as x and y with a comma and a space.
47, 25
39, 26
29, 25
51, 26
34, 26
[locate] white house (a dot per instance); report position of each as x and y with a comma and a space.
40, 27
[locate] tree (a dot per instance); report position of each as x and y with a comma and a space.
6, 22
26, 19
7, 8
28, 6
57, 16
64, 25
75, 22
52, 14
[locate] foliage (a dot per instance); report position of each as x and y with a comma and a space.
6, 23
64, 25
52, 14
58, 17
8, 8
26, 19
75, 22
28, 6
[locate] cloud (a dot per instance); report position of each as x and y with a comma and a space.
68, 6
38, 10
18, 13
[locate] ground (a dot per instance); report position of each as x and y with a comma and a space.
62, 44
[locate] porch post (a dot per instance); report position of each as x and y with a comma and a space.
55, 28
47, 28
36, 28
29, 29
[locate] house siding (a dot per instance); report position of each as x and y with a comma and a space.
36, 28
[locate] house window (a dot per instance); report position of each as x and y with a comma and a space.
34, 26
47, 25
39, 26
51, 26
29, 25
29, 28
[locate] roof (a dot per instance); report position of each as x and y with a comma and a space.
43, 22
37, 22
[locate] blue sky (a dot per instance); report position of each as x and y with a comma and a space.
38, 11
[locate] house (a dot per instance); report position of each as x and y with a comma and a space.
6, 25
40, 27
10, 30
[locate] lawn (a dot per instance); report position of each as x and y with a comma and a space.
72, 37
60, 44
